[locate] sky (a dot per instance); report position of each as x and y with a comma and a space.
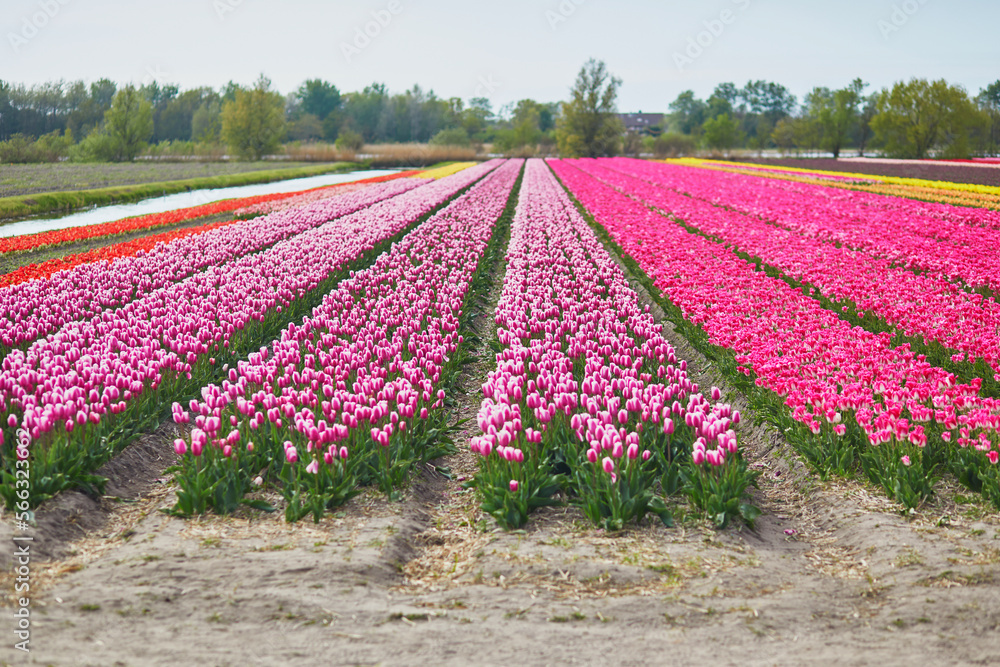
504, 51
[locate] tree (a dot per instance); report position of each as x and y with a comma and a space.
836, 112
128, 124
722, 132
206, 123
455, 136
364, 110
588, 125
688, 113
253, 123
319, 98
306, 127
783, 135
989, 102
175, 120
475, 118
917, 116
868, 110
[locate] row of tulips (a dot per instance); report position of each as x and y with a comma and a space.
951, 242
884, 297
945, 188
843, 394
37, 308
54, 237
29, 242
587, 396
314, 195
45, 269
84, 391
869, 184
353, 394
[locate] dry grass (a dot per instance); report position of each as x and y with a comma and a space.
318, 152
414, 155
384, 155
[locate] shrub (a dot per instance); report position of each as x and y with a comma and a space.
456, 136
673, 144
349, 141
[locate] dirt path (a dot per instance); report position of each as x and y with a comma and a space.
830, 574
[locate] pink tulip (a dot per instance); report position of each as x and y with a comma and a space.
513, 486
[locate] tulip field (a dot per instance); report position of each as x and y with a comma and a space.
310, 347
750, 268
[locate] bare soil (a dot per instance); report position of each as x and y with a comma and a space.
831, 573
955, 172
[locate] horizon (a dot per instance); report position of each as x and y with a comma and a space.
531, 50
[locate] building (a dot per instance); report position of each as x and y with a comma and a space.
650, 124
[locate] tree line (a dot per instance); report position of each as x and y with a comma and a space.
108, 122
104, 121
910, 119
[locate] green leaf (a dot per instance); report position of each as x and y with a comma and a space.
258, 504
749, 513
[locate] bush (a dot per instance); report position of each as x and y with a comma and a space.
349, 141
95, 147
53, 146
456, 136
22, 149
19, 149
673, 144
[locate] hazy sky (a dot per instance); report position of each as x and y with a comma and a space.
504, 50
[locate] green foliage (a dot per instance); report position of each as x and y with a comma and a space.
687, 113
905, 472
128, 124
836, 113
536, 488
206, 122
253, 123
456, 136
349, 140
611, 503
22, 149
313, 493
826, 453
674, 144
306, 127
318, 98
722, 132
97, 146
588, 126
918, 116
719, 490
